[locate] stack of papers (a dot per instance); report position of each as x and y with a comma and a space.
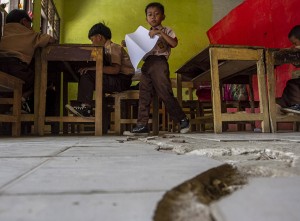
138, 44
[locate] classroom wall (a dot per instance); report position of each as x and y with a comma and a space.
189, 19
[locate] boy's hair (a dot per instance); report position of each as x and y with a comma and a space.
295, 32
157, 5
100, 29
16, 15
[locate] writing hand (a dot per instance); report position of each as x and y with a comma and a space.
83, 71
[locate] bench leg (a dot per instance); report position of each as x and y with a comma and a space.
117, 115
16, 126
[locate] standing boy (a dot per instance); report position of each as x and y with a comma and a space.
17, 47
117, 70
156, 74
290, 100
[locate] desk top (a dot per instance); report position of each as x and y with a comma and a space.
71, 52
286, 56
197, 69
196, 65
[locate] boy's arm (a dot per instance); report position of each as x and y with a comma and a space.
113, 69
171, 41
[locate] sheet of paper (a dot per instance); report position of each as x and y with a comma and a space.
138, 44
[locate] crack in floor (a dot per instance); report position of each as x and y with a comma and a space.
191, 199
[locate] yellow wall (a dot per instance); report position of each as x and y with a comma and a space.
189, 19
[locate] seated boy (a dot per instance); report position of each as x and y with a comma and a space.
290, 99
117, 70
17, 47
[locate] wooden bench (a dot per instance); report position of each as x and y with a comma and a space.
119, 120
190, 106
219, 63
279, 57
12, 84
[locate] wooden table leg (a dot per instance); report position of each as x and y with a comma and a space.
271, 90
215, 86
65, 101
37, 79
42, 95
155, 116
263, 104
99, 92
179, 89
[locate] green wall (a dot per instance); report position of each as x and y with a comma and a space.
189, 19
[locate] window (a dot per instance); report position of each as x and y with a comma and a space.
50, 19
5, 4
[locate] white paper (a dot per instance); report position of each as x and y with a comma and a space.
138, 44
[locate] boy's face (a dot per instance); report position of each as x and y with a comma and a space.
97, 40
295, 41
154, 16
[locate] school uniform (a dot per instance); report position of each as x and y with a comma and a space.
113, 54
156, 78
17, 47
291, 93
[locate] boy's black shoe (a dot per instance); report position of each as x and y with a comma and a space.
141, 130
184, 125
81, 111
292, 109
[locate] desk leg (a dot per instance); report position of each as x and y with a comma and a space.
65, 101
37, 79
155, 117
271, 90
263, 104
216, 95
179, 89
42, 95
99, 92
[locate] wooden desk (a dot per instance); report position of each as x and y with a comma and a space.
67, 52
279, 57
220, 62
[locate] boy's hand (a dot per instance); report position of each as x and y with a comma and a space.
52, 40
154, 32
83, 71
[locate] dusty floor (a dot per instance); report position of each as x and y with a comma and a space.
263, 156
243, 157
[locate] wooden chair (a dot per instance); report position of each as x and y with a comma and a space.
15, 85
127, 116
217, 63
279, 57
190, 106
12, 84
